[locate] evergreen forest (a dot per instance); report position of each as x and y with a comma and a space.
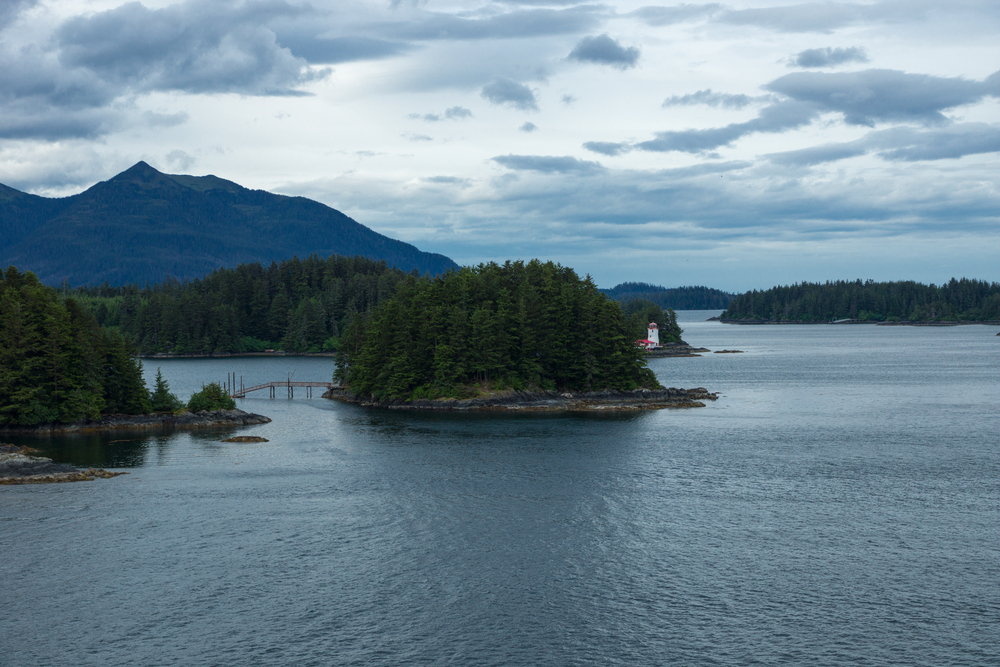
56, 363
517, 325
295, 305
676, 298
639, 313
870, 301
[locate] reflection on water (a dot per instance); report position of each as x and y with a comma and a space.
838, 505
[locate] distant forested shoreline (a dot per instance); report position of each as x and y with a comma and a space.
298, 306
963, 300
295, 306
675, 298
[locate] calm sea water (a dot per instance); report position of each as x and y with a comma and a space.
839, 505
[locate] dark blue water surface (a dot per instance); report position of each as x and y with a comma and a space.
839, 505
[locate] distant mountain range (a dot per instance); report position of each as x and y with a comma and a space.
678, 298
142, 226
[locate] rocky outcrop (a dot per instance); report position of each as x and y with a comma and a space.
18, 466
246, 438
161, 420
545, 401
680, 349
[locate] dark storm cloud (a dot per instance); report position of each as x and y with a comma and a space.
603, 50
660, 16
518, 24
865, 98
548, 164
512, 93
829, 57
191, 47
607, 147
713, 99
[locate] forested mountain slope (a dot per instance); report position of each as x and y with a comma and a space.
143, 226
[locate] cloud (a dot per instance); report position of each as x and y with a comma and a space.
778, 117
528, 127
10, 10
822, 17
829, 57
456, 113
817, 154
156, 119
863, 98
909, 145
659, 16
605, 51
548, 164
451, 113
874, 95
506, 91
305, 43
517, 24
709, 98
418, 137
448, 180
180, 160
567, 99
607, 147
902, 144
192, 47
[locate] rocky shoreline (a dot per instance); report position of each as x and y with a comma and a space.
680, 349
18, 466
544, 401
159, 420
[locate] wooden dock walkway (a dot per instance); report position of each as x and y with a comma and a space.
241, 392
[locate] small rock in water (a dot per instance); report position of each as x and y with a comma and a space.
246, 438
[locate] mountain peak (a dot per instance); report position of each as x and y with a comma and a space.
140, 172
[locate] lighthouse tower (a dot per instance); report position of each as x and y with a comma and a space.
654, 333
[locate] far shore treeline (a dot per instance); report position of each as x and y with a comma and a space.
517, 325
676, 298
905, 301
295, 306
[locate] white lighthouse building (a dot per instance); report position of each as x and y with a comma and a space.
654, 334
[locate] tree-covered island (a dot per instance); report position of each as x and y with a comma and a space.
513, 328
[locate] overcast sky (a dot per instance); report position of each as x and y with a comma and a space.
737, 145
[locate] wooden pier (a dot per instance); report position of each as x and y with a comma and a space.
239, 391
